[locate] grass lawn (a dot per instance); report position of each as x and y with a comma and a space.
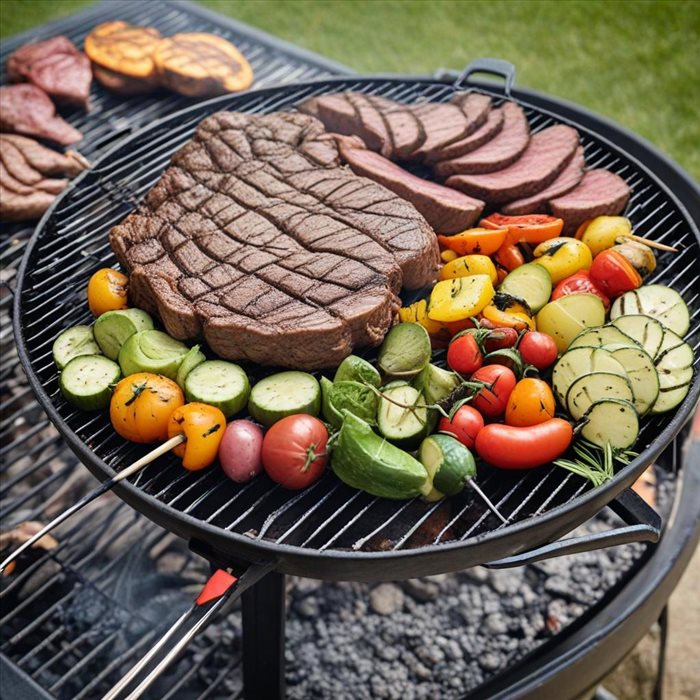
636, 62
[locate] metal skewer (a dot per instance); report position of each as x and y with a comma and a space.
486, 500
102, 488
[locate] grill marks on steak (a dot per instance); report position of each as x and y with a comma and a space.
545, 157
445, 209
255, 238
502, 150
599, 193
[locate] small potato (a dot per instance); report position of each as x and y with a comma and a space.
240, 451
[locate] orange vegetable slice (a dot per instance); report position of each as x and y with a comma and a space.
481, 241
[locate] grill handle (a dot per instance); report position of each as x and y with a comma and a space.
643, 525
493, 66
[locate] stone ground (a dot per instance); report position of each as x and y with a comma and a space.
633, 679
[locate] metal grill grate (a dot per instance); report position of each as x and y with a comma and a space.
328, 517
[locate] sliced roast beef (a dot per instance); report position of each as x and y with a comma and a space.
599, 193
26, 109
375, 129
545, 157
475, 105
270, 253
489, 129
539, 202
27, 192
55, 66
445, 209
405, 129
498, 153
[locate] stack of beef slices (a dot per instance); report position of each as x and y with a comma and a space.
485, 155
257, 239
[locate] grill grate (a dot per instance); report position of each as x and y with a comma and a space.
329, 516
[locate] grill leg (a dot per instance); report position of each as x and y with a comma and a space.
263, 639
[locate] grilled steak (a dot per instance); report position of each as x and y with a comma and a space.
257, 239
55, 66
405, 129
599, 193
489, 129
498, 153
443, 124
538, 202
445, 209
26, 109
545, 157
24, 164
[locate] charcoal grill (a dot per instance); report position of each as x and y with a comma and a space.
330, 531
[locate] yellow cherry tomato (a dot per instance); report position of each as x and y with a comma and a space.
204, 427
469, 265
107, 290
562, 257
531, 402
448, 255
460, 298
142, 404
603, 231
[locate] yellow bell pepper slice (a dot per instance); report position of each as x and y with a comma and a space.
418, 313
563, 257
469, 265
460, 298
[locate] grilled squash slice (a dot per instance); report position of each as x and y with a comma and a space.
198, 64
122, 55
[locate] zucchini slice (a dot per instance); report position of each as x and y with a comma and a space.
670, 398
658, 301
646, 332
73, 342
581, 362
284, 394
218, 383
674, 364
587, 390
600, 337
642, 374
403, 426
87, 381
611, 421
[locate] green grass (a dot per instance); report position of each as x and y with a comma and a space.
635, 62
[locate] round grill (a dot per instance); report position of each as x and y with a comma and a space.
328, 530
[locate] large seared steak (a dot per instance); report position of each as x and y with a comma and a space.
256, 239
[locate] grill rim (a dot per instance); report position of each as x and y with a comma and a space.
341, 564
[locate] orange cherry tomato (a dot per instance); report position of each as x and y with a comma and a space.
204, 427
107, 290
479, 241
142, 404
509, 256
530, 228
530, 403
613, 274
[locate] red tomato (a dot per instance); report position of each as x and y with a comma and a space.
492, 402
500, 338
613, 274
464, 355
538, 349
465, 425
294, 451
510, 447
579, 283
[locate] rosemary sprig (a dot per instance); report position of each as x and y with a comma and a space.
597, 464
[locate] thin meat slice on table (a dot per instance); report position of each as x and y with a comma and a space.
538, 203
600, 193
446, 210
257, 240
502, 150
545, 157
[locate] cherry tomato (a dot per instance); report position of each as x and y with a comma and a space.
579, 283
530, 403
538, 349
500, 338
294, 451
107, 290
492, 402
613, 274
529, 228
511, 447
465, 425
464, 355
204, 427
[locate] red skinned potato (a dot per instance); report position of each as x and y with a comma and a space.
240, 451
